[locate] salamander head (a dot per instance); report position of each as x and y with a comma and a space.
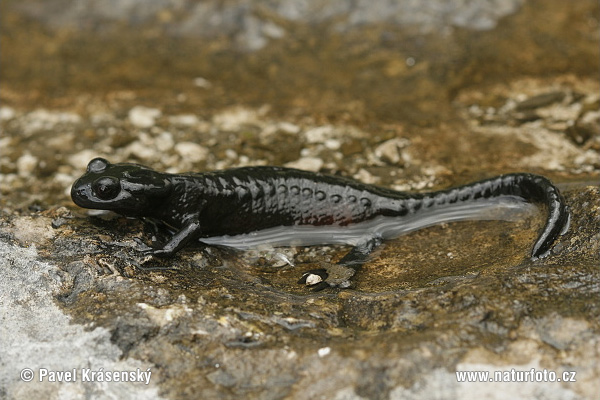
129, 189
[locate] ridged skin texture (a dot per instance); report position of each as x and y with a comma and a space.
251, 199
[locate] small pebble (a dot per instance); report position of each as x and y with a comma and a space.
313, 279
319, 134
7, 113
324, 351
202, 83
58, 222
143, 117
26, 164
313, 164
541, 100
184, 120
191, 152
390, 151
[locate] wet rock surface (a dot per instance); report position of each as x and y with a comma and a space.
76, 293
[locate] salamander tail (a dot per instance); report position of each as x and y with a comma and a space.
533, 188
540, 189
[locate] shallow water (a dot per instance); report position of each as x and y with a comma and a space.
506, 208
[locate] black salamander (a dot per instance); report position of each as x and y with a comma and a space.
246, 207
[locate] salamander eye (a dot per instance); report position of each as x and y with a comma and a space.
106, 188
97, 165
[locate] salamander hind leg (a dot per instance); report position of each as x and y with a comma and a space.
339, 274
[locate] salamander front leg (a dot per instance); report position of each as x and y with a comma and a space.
189, 233
339, 275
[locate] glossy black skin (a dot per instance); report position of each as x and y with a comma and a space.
250, 199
